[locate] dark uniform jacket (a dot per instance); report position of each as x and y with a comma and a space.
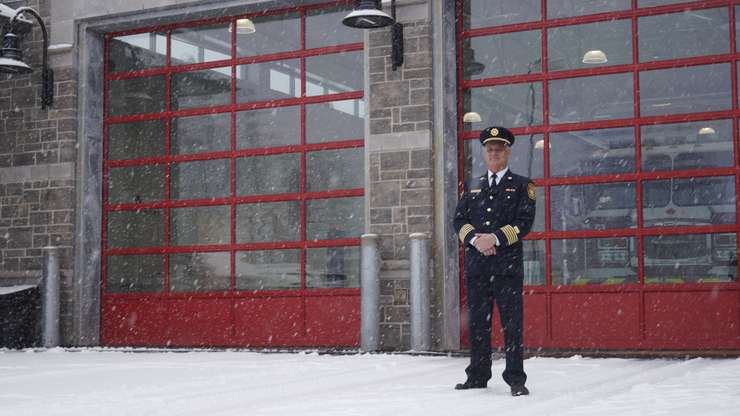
507, 210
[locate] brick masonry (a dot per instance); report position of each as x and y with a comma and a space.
37, 210
401, 193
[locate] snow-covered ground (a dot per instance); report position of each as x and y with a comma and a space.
102, 382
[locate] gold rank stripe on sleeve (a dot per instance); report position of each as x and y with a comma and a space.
510, 234
464, 231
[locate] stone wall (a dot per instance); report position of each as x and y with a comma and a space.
400, 168
37, 159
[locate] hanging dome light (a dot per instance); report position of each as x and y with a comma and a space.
244, 27
594, 57
472, 117
367, 14
706, 131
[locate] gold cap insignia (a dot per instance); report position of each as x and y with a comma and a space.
494, 132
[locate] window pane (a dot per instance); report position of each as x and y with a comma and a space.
271, 127
697, 145
685, 90
515, 105
206, 88
267, 222
324, 28
333, 267
681, 35
201, 179
262, 175
602, 97
593, 206
200, 225
592, 152
336, 120
534, 262
141, 228
335, 169
651, 3
689, 258
483, 55
274, 80
335, 73
594, 261
568, 46
483, 13
198, 272
136, 140
201, 134
568, 8
201, 44
268, 270
273, 34
335, 218
689, 201
136, 52
526, 157
136, 184
737, 28
136, 96
127, 274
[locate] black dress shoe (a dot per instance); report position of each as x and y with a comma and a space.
470, 385
519, 390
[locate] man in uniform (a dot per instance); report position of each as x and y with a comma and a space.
494, 213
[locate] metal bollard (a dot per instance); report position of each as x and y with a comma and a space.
370, 293
50, 298
421, 336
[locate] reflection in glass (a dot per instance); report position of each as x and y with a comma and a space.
137, 52
271, 127
690, 258
268, 222
695, 145
336, 120
335, 73
324, 28
268, 269
198, 44
690, 89
136, 96
521, 49
140, 228
199, 225
335, 169
567, 45
513, 105
685, 34
126, 274
651, 3
273, 34
526, 157
568, 8
593, 206
333, 267
592, 152
601, 97
335, 218
484, 13
263, 175
594, 261
200, 179
199, 272
136, 184
206, 88
136, 140
534, 262
689, 201
274, 80
201, 134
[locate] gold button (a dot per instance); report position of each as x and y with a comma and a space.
488, 222
490, 197
489, 210
508, 196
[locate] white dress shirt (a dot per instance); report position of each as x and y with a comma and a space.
498, 175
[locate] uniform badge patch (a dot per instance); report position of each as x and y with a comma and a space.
532, 192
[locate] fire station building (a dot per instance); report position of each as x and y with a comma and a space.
207, 168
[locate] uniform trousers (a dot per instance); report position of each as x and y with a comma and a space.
506, 291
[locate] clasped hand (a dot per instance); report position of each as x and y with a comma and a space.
486, 244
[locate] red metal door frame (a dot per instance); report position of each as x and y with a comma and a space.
554, 315
304, 317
